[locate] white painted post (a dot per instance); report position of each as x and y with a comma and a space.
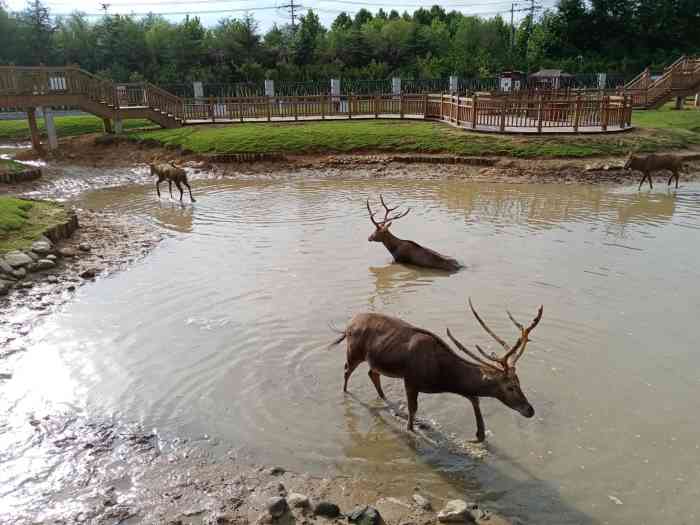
198, 89
335, 96
697, 100
396, 86
269, 88
50, 128
454, 84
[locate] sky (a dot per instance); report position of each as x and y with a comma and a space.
269, 12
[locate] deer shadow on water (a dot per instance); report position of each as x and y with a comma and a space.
463, 466
402, 278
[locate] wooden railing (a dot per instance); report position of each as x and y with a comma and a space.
680, 76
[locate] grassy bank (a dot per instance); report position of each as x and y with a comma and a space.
22, 222
18, 130
662, 129
10, 166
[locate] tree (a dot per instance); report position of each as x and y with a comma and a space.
38, 33
307, 38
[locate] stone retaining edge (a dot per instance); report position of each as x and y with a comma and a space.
20, 176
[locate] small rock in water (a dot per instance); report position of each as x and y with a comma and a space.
5, 375
455, 511
52, 279
84, 247
19, 273
365, 516
276, 471
51, 257
615, 500
66, 252
327, 509
5, 267
422, 502
5, 287
276, 488
89, 273
277, 506
45, 264
298, 501
33, 256
71, 288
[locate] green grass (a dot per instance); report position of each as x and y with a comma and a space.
663, 129
11, 166
424, 137
65, 126
22, 222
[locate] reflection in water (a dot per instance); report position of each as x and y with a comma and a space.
231, 337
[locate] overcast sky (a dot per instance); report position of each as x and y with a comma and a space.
268, 12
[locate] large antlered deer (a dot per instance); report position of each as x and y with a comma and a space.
427, 364
654, 162
404, 251
171, 173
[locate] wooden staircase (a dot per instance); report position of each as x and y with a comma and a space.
32, 87
680, 79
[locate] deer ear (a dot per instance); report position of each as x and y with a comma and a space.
386, 226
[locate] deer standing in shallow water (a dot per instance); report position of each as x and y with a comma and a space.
427, 364
404, 251
171, 173
654, 162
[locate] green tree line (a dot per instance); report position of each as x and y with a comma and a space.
617, 36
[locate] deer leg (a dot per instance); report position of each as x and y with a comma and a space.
480, 429
349, 369
179, 187
158, 187
674, 175
651, 186
170, 187
412, 398
186, 183
376, 380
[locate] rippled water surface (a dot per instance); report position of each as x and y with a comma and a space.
224, 331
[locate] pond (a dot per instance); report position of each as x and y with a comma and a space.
224, 331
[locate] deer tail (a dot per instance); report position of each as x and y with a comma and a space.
343, 335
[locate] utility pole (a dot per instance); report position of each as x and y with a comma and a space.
293, 8
512, 26
105, 7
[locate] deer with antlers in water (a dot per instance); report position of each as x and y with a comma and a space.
404, 251
171, 173
427, 364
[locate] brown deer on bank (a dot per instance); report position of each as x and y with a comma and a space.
655, 162
171, 173
404, 251
427, 364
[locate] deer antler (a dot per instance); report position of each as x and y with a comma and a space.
371, 215
518, 348
389, 210
475, 357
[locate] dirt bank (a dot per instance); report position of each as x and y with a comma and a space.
96, 151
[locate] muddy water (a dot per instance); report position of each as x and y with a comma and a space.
223, 332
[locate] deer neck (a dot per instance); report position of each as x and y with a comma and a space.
471, 380
391, 242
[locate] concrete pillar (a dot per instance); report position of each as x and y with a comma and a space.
697, 100
396, 86
107, 125
680, 101
34, 130
336, 103
335, 87
50, 128
198, 89
454, 84
269, 88
118, 125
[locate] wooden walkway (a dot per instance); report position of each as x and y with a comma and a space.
28, 88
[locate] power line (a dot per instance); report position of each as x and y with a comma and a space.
292, 7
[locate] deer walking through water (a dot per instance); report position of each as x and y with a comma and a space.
171, 173
427, 364
655, 162
404, 251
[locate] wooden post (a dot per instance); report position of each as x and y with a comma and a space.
606, 112
240, 110
475, 112
269, 108
296, 109
50, 128
442, 109
401, 105
107, 125
350, 106
539, 114
211, 110
425, 105
577, 113
458, 104
502, 126
323, 107
376, 106
33, 128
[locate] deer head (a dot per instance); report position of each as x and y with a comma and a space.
500, 370
381, 231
